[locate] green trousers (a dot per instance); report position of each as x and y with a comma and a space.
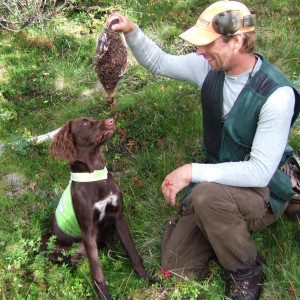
217, 222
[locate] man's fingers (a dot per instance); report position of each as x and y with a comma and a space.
169, 193
114, 16
172, 196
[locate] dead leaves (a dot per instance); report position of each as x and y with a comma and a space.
32, 185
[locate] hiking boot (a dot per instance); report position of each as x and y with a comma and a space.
246, 284
247, 289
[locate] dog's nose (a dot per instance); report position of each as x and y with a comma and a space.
110, 121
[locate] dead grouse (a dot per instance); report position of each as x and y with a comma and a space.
110, 60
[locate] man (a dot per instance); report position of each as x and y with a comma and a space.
248, 109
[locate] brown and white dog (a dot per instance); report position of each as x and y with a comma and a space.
95, 196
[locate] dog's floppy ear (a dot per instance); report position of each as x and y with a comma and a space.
62, 146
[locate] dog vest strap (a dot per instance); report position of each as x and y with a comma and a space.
89, 177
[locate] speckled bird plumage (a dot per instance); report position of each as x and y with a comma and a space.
110, 60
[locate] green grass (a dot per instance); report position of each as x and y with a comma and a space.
47, 78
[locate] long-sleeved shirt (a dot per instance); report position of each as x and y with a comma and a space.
272, 129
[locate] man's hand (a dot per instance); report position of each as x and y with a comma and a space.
125, 25
175, 182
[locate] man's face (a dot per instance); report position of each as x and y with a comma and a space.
219, 54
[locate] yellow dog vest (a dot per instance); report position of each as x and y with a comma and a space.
65, 215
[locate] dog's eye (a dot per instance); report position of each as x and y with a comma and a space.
85, 122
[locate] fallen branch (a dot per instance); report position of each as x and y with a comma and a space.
37, 140
16, 15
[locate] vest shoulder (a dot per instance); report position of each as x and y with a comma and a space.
274, 73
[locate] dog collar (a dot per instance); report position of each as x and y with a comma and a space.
89, 177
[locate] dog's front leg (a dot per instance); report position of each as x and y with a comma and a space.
127, 242
90, 245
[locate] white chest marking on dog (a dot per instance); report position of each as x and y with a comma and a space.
101, 205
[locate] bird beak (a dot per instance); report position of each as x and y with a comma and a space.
110, 97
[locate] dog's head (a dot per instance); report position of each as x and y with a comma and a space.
81, 135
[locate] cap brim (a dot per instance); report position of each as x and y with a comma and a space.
199, 37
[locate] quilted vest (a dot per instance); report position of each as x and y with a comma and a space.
231, 139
